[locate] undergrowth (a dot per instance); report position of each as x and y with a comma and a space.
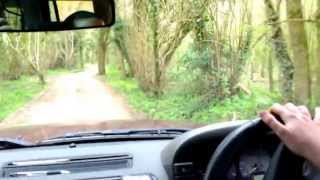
181, 105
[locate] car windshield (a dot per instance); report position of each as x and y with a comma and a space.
164, 64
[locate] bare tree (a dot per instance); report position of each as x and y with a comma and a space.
152, 43
300, 56
14, 45
121, 45
66, 49
280, 49
29, 53
34, 56
317, 83
230, 29
102, 50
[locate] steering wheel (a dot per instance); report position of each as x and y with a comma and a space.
284, 164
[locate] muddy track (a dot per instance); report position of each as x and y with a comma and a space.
75, 98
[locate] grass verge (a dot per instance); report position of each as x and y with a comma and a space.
178, 106
15, 94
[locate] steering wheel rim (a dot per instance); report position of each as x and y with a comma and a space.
251, 132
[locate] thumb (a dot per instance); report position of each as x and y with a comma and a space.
317, 115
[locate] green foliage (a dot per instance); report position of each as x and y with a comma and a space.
180, 105
239, 107
14, 94
197, 59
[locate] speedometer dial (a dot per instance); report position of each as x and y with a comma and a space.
253, 164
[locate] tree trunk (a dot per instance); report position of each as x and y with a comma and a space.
122, 67
157, 89
81, 53
103, 43
244, 52
270, 73
263, 69
38, 68
69, 50
124, 53
299, 45
14, 69
252, 68
281, 52
317, 83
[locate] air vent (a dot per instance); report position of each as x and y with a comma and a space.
67, 165
106, 178
129, 177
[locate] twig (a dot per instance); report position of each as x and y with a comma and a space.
295, 20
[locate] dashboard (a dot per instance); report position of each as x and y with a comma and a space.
109, 161
187, 157
182, 158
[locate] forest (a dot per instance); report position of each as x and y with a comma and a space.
197, 60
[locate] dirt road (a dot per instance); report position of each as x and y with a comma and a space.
73, 99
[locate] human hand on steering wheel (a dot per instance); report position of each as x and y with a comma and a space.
299, 132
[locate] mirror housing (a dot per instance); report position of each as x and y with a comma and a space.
55, 15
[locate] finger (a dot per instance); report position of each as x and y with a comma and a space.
317, 115
274, 124
281, 111
292, 108
304, 110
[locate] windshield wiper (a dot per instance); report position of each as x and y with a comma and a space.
128, 132
117, 134
13, 144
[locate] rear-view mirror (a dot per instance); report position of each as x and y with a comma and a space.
55, 15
